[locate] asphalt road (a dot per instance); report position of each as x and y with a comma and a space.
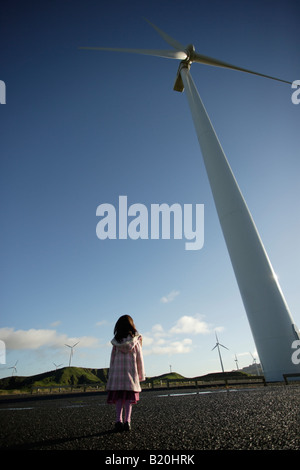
262, 418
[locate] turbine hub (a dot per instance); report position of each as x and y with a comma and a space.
190, 49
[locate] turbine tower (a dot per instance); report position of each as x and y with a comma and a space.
218, 346
71, 352
270, 320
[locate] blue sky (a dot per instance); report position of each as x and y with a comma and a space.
81, 128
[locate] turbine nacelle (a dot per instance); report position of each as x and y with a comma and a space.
190, 54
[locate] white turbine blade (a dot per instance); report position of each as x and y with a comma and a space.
202, 59
172, 42
181, 55
223, 346
214, 347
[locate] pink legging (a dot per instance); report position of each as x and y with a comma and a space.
119, 410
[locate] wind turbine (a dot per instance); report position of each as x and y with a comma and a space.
71, 352
236, 362
254, 362
58, 365
218, 346
14, 368
270, 320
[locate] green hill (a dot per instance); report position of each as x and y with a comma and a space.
222, 375
204, 378
63, 376
78, 376
169, 376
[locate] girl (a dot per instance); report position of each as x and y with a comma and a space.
126, 370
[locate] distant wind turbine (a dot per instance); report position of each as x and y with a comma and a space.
71, 352
57, 365
14, 369
236, 362
254, 362
270, 320
218, 346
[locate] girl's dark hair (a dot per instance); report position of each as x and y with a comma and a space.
124, 327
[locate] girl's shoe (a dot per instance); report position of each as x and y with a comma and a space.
127, 426
119, 427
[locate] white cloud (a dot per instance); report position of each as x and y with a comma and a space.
35, 339
158, 330
55, 323
102, 322
147, 341
170, 347
170, 297
193, 325
159, 341
154, 336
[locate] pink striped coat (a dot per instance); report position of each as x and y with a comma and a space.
126, 369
